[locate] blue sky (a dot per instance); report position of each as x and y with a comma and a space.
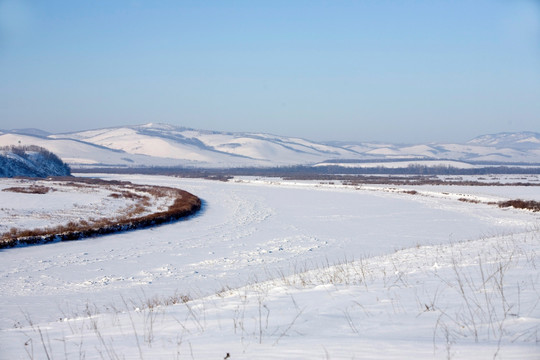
398, 71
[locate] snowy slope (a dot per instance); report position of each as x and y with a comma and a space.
524, 140
79, 154
277, 269
209, 147
465, 152
167, 145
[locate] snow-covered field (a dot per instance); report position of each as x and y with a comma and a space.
30, 204
292, 270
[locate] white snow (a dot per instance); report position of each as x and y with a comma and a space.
403, 164
66, 202
288, 270
75, 152
386, 151
530, 140
167, 145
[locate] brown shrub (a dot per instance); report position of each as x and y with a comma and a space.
184, 204
469, 200
521, 204
33, 189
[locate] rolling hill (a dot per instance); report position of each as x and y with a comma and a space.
167, 145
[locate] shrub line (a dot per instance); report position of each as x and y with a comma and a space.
184, 205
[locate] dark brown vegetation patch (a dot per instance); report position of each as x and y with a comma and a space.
33, 189
521, 204
472, 201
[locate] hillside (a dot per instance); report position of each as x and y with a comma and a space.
163, 145
31, 161
209, 148
523, 140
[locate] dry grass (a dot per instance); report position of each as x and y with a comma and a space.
33, 189
530, 205
521, 204
472, 201
184, 204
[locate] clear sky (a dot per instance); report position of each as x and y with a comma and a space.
398, 71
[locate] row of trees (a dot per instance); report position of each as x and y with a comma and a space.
316, 172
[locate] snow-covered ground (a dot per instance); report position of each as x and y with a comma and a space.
403, 164
68, 201
494, 179
291, 270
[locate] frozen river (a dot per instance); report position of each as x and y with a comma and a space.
248, 230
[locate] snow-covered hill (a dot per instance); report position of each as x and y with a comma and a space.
210, 147
31, 161
167, 145
523, 140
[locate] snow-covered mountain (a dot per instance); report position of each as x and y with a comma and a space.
168, 145
521, 147
523, 140
30, 161
209, 147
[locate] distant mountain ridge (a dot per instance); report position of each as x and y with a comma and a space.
164, 145
523, 140
31, 161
